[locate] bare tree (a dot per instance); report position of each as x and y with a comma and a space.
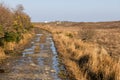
19, 8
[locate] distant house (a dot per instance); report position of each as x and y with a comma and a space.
46, 22
59, 22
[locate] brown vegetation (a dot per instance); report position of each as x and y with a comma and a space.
90, 51
14, 29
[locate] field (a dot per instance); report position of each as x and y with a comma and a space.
89, 51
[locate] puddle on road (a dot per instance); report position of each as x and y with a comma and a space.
31, 49
59, 68
55, 59
43, 64
40, 60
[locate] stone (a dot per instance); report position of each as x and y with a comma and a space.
53, 71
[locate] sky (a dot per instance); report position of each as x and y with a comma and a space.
69, 10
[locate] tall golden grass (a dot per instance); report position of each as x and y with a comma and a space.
2, 55
84, 60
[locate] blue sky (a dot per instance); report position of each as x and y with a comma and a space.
70, 10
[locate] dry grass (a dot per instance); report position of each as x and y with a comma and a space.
2, 55
109, 39
88, 60
92, 59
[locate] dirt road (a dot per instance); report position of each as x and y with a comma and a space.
38, 61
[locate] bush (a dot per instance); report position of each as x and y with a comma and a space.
70, 35
13, 23
87, 34
12, 37
1, 41
1, 31
6, 17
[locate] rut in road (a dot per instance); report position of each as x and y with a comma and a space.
38, 61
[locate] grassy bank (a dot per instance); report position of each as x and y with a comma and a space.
90, 51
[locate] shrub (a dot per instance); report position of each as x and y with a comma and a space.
1, 31
6, 17
1, 41
70, 35
22, 19
12, 37
87, 34
13, 23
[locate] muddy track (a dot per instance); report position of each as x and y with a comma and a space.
38, 61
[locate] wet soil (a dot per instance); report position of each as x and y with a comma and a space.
38, 61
